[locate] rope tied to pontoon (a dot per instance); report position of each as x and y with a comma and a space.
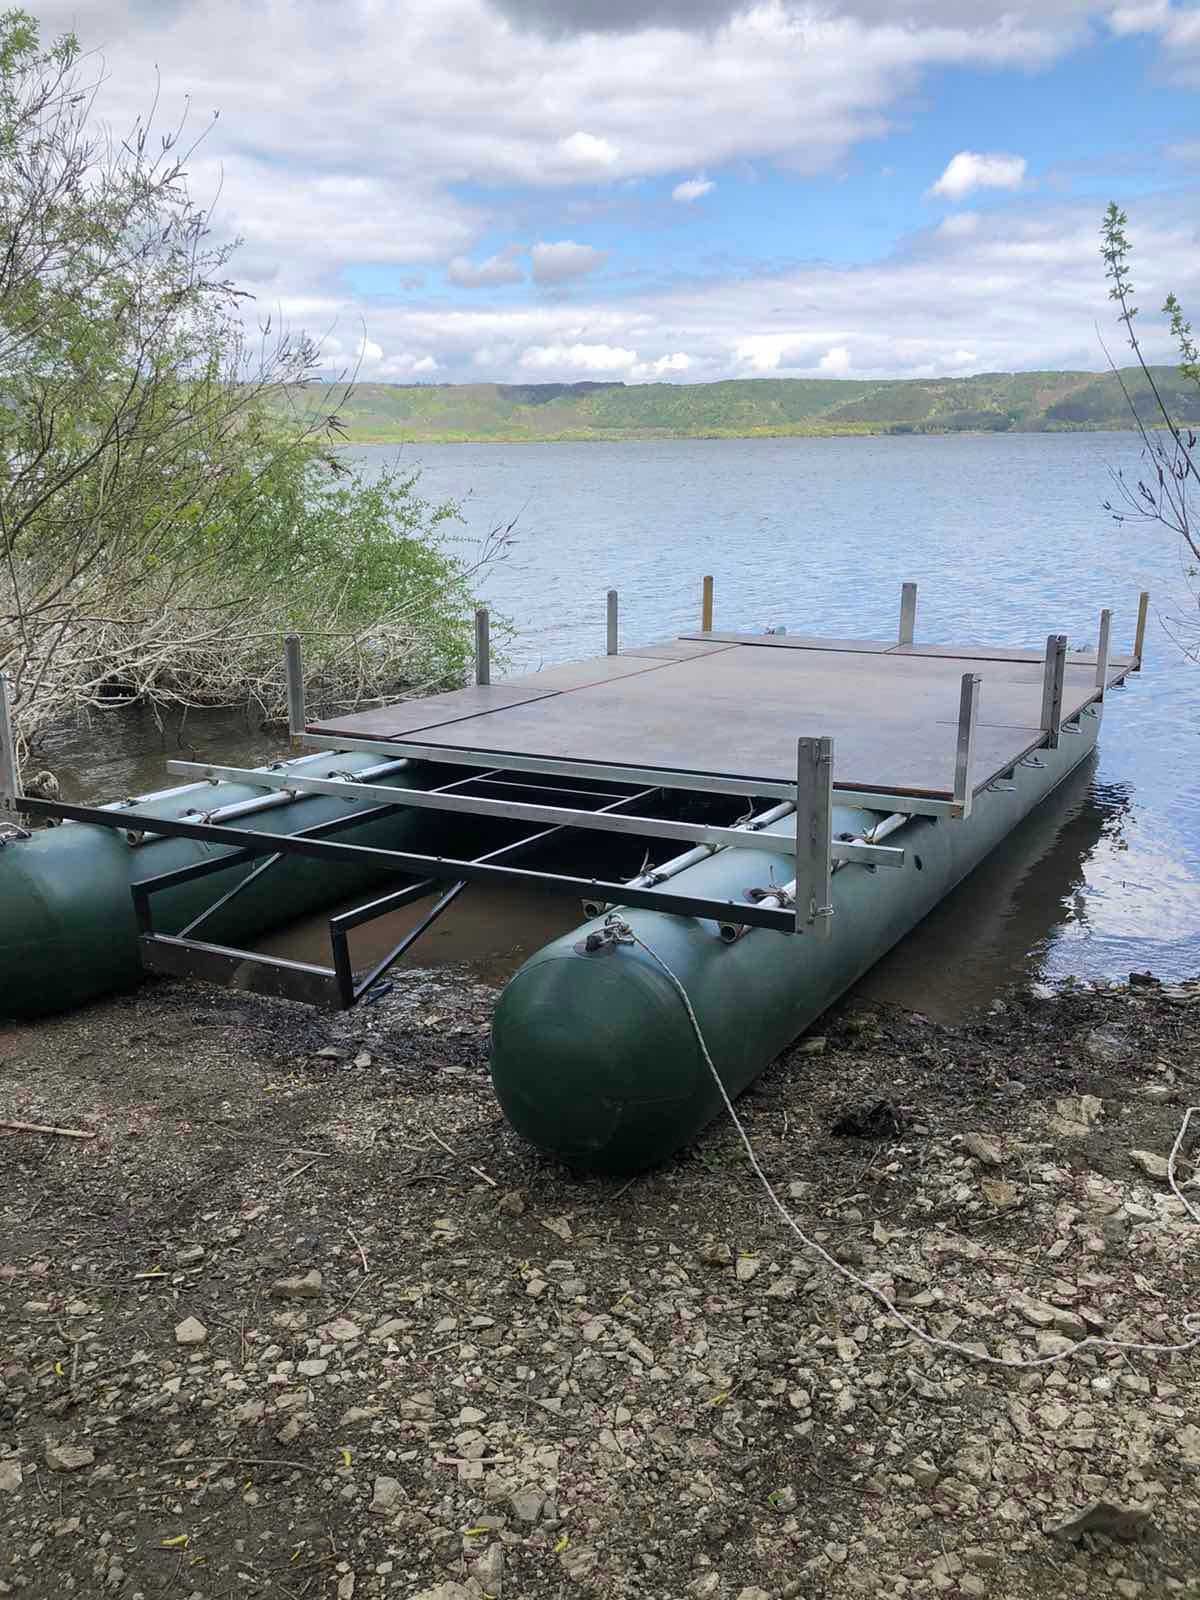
618, 931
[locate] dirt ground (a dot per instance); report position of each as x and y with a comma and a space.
304, 1319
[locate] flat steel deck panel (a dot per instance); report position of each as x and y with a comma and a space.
737, 712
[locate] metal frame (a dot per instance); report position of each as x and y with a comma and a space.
667, 778
603, 820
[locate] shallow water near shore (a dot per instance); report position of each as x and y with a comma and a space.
1008, 541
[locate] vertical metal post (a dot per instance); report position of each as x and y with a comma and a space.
706, 607
1052, 687
10, 772
964, 757
1139, 642
612, 622
1102, 652
814, 836
483, 649
293, 665
908, 612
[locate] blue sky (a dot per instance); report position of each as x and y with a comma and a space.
524, 190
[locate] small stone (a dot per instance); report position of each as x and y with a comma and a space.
705, 1586
1188, 1440
714, 1253
305, 1286
923, 1472
747, 1268
536, 1288
69, 1457
190, 1331
313, 1368
341, 1330
513, 1202
386, 1497
1152, 1164
1033, 1311
1104, 1516
330, 1053
812, 1047
782, 1500
10, 1476
527, 1505
1052, 1344
751, 1593
560, 1227
489, 1570
1076, 1115
1003, 1196
190, 1255
985, 1148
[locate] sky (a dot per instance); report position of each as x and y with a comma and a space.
527, 191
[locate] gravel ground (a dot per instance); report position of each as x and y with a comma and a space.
304, 1319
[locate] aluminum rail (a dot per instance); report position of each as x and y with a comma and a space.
445, 868
664, 778
693, 857
504, 810
731, 932
526, 811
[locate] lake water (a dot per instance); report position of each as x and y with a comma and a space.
1007, 539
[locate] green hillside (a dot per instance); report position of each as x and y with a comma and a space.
994, 402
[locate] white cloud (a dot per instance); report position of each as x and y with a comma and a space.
578, 358
498, 269
692, 189
369, 352
960, 226
968, 171
835, 363
559, 263
586, 150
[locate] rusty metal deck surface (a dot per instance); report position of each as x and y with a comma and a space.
734, 705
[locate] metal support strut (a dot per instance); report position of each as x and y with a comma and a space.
10, 772
908, 612
483, 647
612, 623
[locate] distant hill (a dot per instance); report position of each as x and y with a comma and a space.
991, 402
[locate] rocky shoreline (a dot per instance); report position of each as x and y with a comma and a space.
304, 1318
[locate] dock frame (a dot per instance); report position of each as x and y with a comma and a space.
555, 801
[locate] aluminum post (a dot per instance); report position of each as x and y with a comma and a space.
10, 772
908, 612
814, 836
964, 755
293, 666
1102, 648
483, 649
1052, 687
612, 622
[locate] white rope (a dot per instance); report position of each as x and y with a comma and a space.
624, 934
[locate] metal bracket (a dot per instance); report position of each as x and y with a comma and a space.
814, 836
1052, 687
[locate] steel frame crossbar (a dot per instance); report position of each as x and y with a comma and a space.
606, 819
320, 985
666, 778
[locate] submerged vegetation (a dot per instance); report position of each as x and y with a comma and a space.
744, 408
170, 505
